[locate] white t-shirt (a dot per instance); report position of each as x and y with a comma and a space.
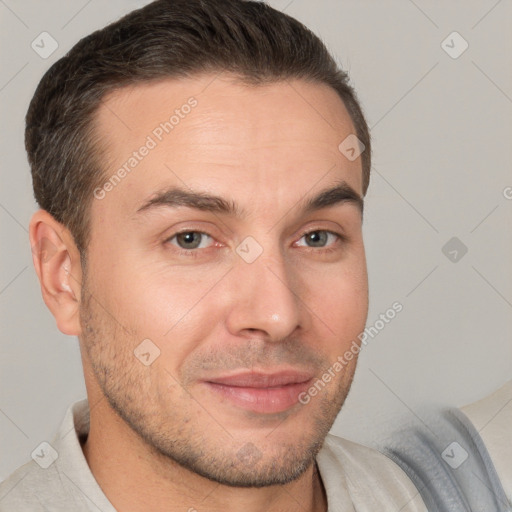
356, 478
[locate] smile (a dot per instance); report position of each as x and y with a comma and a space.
260, 392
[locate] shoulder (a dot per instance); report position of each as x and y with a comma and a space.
28, 488
371, 478
358, 457
492, 417
447, 460
33, 487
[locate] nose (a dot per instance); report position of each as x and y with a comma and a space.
266, 300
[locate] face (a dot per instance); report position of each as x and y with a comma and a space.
225, 272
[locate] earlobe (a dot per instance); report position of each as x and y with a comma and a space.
57, 264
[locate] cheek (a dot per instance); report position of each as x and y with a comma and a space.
340, 298
345, 304
172, 308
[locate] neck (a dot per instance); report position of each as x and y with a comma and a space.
136, 478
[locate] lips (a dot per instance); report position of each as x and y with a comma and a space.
265, 393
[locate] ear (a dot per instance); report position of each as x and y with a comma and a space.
57, 263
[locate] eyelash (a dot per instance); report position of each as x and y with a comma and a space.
194, 253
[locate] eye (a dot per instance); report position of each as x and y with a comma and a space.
320, 238
191, 240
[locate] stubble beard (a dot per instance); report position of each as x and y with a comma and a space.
172, 438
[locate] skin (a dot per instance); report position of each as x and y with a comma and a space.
299, 305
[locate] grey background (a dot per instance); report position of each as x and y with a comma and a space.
442, 132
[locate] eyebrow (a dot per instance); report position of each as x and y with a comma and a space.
175, 197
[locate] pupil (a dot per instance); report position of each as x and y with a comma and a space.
191, 238
318, 238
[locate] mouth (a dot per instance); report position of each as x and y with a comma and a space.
265, 393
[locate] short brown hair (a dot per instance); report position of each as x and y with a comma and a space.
165, 39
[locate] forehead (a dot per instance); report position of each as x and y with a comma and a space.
216, 134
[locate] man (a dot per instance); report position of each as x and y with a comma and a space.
460, 459
200, 168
